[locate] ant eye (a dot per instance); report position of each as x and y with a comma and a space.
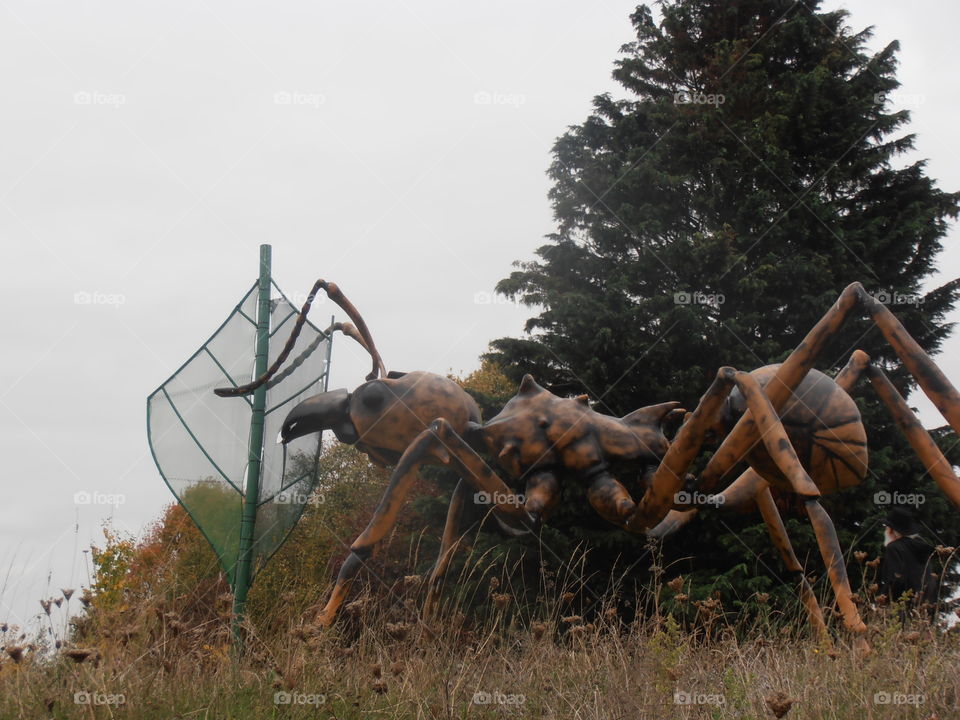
372, 396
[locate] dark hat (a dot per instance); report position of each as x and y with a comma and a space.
901, 520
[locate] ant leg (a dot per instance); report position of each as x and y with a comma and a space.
829, 545
931, 379
438, 442
667, 478
740, 491
750, 486
923, 445
778, 534
451, 538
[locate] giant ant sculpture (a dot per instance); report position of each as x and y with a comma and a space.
796, 429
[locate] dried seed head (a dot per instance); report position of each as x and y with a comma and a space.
494, 584
945, 551
86, 597
398, 631
779, 703
676, 584
762, 598
500, 600
58, 601
873, 564
610, 614
681, 598
860, 556
67, 593
45, 604
571, 619
578, 630
78, 655
538, 629
15, 652
567, 598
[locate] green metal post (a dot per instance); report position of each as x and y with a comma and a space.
252, 494
326, 370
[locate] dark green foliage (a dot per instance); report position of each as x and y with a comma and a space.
775, 199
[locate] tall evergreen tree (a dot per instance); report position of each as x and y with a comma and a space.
753, 167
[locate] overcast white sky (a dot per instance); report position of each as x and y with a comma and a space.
397, 148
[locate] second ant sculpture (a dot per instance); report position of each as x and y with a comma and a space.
796, 429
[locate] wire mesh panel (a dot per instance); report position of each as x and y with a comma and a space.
201, 442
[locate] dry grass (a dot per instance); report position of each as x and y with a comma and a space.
375, 663
153, 642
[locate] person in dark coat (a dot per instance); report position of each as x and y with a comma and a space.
906, 564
